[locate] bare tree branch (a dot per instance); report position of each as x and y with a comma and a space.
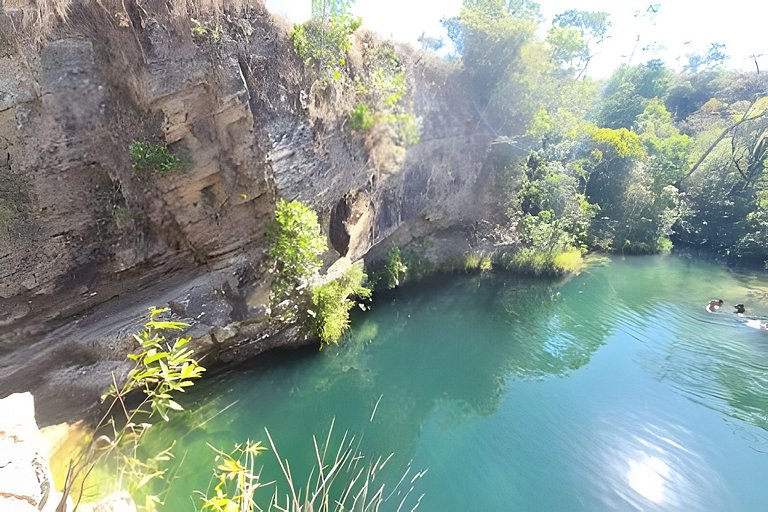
744, 118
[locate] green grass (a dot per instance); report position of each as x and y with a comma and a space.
529, 261
475, 262
153, 157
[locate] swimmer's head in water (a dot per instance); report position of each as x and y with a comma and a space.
739, 308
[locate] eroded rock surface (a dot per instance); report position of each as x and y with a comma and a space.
87, 244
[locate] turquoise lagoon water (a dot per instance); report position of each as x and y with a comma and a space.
614, 390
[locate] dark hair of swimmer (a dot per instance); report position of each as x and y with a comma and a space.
740, 308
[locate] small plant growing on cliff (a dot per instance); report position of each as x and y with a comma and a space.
163, 368
297, 244
407, 130
395, 269
200, 33
362, 119
6, 215
153, 157
332, 303
382, 88
324, 40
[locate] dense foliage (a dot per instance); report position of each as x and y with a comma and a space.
323, 41
332, 302
648, 158
297, 244
382, 95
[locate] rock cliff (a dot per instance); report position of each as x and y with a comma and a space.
87, 244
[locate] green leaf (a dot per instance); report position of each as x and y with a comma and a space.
155, 357
175, 406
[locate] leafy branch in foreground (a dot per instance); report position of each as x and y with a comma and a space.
163, 368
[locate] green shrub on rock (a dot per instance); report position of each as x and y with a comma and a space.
395, 270
362, 119
153, 157
297, 244
332, 303
324, 40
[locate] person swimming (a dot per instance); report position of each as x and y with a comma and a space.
740, 309
714, 305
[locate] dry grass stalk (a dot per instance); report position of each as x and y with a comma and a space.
344, 481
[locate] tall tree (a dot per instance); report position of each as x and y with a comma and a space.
573, 35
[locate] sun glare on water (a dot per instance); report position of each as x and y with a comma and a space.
647, 477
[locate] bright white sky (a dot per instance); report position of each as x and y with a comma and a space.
678, 28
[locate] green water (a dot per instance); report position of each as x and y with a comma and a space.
615, 390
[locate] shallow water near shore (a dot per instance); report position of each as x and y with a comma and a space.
613, 390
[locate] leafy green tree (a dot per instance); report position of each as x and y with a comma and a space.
725, 200
324, 40
628, 91
325, 9
495, 40
667, 148
552, 212
714, 57
572, 36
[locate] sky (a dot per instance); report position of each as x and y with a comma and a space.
677, 28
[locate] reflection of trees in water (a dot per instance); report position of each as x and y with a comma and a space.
450, 345
552, 331
720, 370
459, 342
745, 390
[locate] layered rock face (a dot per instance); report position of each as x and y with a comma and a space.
87, 244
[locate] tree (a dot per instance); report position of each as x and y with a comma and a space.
755, 112
324, 40
628, 91
431, 43
572, 35
327, 9
667, 148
